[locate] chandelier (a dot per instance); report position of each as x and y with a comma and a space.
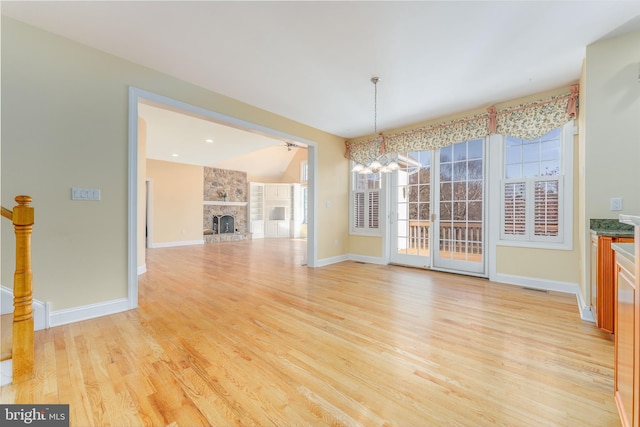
385, 162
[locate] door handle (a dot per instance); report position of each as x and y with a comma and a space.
433, 217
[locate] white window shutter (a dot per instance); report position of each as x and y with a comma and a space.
358, 210
374, 209
546, 208
515, 209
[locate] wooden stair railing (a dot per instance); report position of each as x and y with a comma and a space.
23, 329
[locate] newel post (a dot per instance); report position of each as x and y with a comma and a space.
23, 329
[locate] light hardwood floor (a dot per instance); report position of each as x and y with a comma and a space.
240, 334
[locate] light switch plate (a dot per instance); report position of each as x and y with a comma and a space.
85, 193
616, 203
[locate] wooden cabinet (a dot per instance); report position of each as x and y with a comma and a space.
603, 288
594, 276
277, 229
256, 210
626, 339
272, 209
627, 319
277, 192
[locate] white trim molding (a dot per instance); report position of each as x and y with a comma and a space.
332, 260
6, 372
535, 283
172, 244
86, 312
549, 285
137, 94
351, 257
584, 308
142, 269
367, 259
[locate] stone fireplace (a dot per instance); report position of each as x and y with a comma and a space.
225, 205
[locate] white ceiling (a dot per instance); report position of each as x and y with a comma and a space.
312, 61
184, 138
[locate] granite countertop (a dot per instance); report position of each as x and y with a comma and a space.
610, 227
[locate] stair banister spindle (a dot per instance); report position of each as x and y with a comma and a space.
23, 328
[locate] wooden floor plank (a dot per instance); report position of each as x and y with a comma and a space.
240, 333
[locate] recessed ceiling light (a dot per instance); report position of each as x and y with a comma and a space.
209, 140
174, 155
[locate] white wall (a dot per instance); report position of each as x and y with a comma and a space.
610, 138
612, 134
65, 124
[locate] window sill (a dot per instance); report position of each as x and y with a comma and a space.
364, 234
560, 246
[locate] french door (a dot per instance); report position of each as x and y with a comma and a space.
437, 209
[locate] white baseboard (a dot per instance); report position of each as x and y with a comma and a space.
44, 318
172, 244
584, 308
6, 372
366, 259
350, 257
535, 283
86, 312
142, 269
332, 260
40, 309
549, 285
6, 300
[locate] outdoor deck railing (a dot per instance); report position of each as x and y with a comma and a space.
456, 236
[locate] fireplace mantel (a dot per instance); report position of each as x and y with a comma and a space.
222, 203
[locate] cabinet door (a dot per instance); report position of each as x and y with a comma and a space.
271, 228
606, 275
270, 191
594, 277
283, 192
625, 341
283, 228
257, 229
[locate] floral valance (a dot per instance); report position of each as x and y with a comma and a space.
528, 121
440, 135
364, 152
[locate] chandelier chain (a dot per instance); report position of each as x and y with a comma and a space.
384, 162
375, 106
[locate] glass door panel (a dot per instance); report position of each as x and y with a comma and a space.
410, 232
459, 228
437, 205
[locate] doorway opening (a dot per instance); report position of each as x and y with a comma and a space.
137, 197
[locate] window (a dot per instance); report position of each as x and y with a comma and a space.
536, 203
365, 212
304, 171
